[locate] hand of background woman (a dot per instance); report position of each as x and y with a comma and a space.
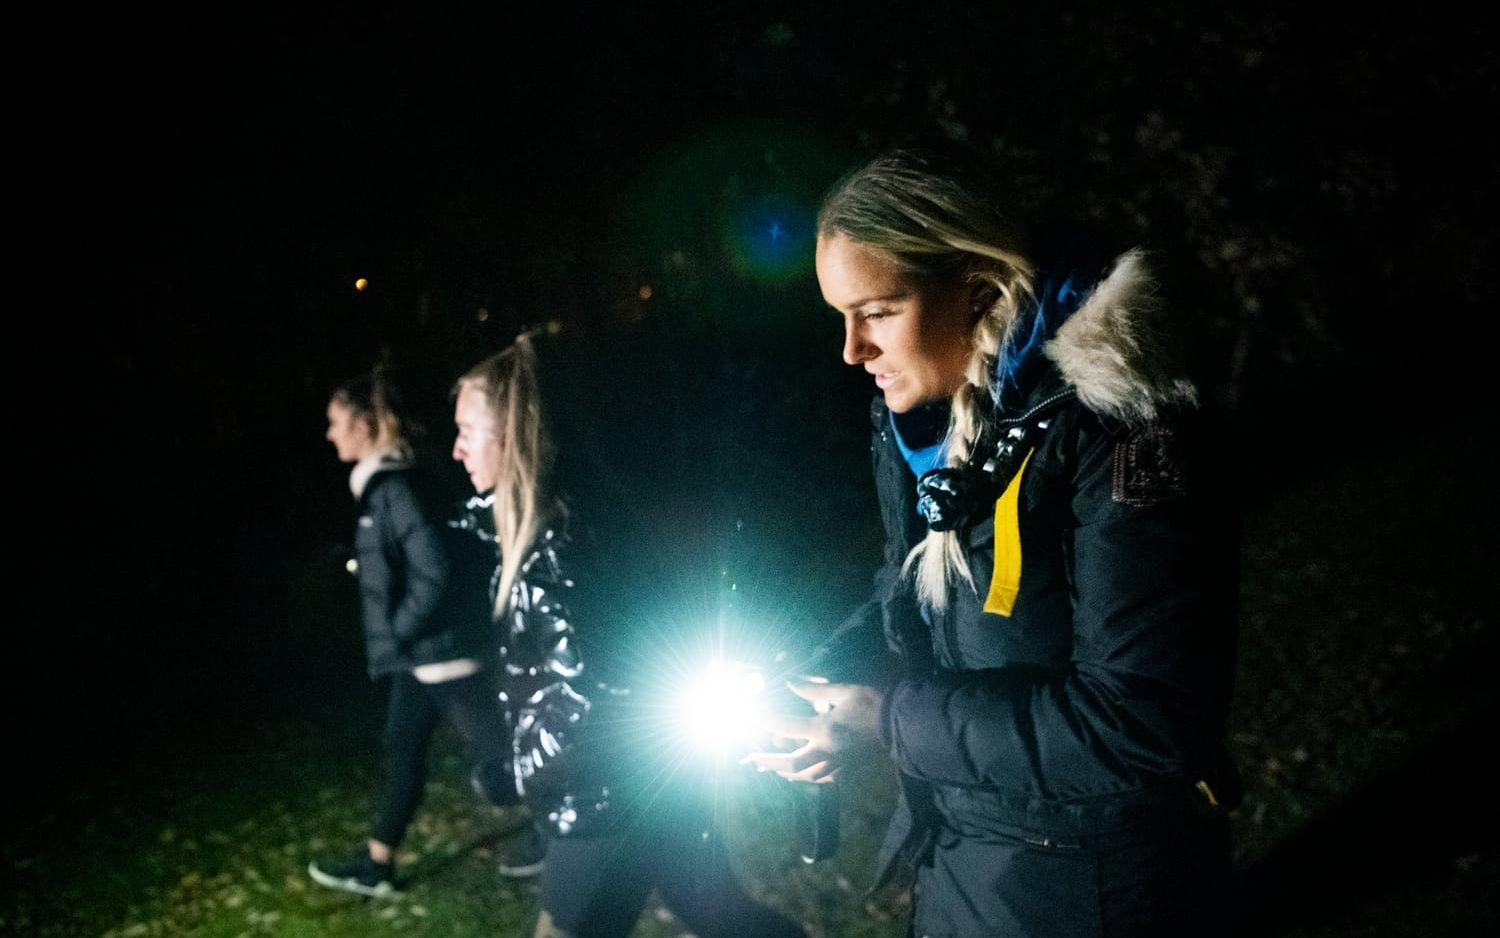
845, 727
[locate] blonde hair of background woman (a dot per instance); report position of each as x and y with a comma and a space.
941, 222
508, 382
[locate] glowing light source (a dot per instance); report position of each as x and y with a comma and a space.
645, 291
722, 707
360, 284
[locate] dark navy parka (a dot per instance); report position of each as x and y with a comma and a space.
1103, 692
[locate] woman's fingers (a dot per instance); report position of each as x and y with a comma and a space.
770, 761
819, 773
823, 696
786, 764
789, 727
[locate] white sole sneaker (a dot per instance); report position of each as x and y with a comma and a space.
381, 890
523, 870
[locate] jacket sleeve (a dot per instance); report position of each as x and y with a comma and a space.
1146, 683
424, 556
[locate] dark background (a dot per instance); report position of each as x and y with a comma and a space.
1318, 188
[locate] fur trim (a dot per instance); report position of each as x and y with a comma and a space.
1111, 350
378, 461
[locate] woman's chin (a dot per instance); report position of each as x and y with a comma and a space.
898, 402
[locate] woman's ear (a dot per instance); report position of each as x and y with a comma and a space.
981, 278
982, 296
371, 428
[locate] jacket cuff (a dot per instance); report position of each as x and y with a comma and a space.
924, 739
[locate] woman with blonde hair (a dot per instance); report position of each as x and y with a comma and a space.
1056, 586
424, 629
609, 840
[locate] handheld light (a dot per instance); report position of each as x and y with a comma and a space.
722, 706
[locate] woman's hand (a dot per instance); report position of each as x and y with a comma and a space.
844, 728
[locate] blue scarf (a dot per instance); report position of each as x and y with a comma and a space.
1021, 362
921, 434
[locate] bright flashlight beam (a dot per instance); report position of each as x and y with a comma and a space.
722, 707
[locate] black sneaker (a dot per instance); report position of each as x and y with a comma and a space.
495, 782
522, 856
361, 876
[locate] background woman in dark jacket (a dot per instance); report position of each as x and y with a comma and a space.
1054, 582
611, 837
424, 621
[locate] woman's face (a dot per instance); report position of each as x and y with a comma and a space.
913, 335
476, 446
352, 437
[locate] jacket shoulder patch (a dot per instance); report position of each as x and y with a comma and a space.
1147, 469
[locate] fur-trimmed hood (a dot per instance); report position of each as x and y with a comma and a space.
1111, 349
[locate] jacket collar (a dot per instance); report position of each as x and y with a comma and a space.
369, 465
477, 517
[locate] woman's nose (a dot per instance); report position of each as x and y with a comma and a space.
857, 347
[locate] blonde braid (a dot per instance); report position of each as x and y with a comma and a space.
939, 559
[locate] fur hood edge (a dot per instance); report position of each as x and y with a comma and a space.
1111, 350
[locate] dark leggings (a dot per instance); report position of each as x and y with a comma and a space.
595, 887
415, 708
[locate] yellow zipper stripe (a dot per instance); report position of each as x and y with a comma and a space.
1005, 583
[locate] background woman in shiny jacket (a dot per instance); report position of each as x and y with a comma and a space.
610, 840
424, 627
1056, 581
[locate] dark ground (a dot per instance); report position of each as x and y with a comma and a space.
187, 718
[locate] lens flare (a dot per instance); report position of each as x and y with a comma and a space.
729, 213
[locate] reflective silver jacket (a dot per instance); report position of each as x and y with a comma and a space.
545, 693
